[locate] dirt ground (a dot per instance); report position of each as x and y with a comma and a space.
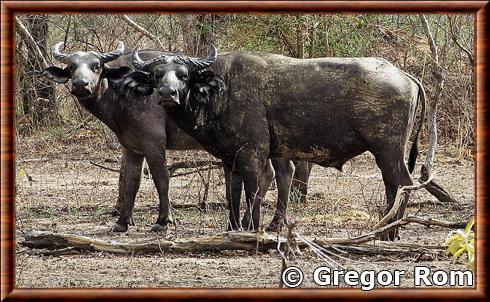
60, 190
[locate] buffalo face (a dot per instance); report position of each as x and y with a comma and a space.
177, 79
171, 81
85, 69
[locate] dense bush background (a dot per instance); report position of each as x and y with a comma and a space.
48, 110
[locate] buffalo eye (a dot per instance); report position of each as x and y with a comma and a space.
96, 67
182, 74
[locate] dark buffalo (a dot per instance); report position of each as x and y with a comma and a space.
144, 131
247, 107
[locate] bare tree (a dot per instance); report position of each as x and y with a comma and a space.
438, 71
36, 92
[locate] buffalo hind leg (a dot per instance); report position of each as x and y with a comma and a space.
284, 175
234, 186
129, 183
158, 169
300, 180
257, 178
395, 173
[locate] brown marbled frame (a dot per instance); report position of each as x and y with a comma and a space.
9, 8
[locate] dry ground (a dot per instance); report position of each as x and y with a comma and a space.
63, 192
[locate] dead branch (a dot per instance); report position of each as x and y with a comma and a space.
438, 72
376, 234
103, 167
218, 242
435, 189
439, 75
289, 250
400, 194
191, 164
454, 37
259, 241
30, 40
37, 160
435, 203
194, 171
173, 167
142, 30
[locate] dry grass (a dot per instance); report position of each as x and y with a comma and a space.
68, 194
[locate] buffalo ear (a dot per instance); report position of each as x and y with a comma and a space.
140, 82
56, 74
116, 74
217, 84
206, 91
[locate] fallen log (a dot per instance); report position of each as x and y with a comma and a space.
260, 241
218, 242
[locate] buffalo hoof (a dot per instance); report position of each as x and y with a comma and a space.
272, 227
251, 228
158, 228
231, 228
118, 228
246, 224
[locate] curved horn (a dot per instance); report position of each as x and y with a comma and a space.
211, 58
147, 65
110, 56
136, 60
58, 55
199, 64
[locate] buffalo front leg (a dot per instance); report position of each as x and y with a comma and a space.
256, 178
158, 169
129, 183
234, 186
284, 175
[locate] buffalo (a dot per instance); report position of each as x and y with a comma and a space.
144, 131
247, 107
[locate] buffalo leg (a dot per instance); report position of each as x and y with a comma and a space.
234, 186
284, 174
300, 179
256, 179
129, 183
395, 173
158, 169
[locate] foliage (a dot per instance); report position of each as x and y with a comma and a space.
463, 242
398, 38
21, 173
295, 195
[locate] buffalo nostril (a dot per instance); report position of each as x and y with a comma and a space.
167, 92
80, 83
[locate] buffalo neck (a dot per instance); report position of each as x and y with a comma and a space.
199, 123
103, 105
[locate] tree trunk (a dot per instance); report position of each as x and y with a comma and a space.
326, 46
439, 77
37, 93
299, 39
311, 37
197, 33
